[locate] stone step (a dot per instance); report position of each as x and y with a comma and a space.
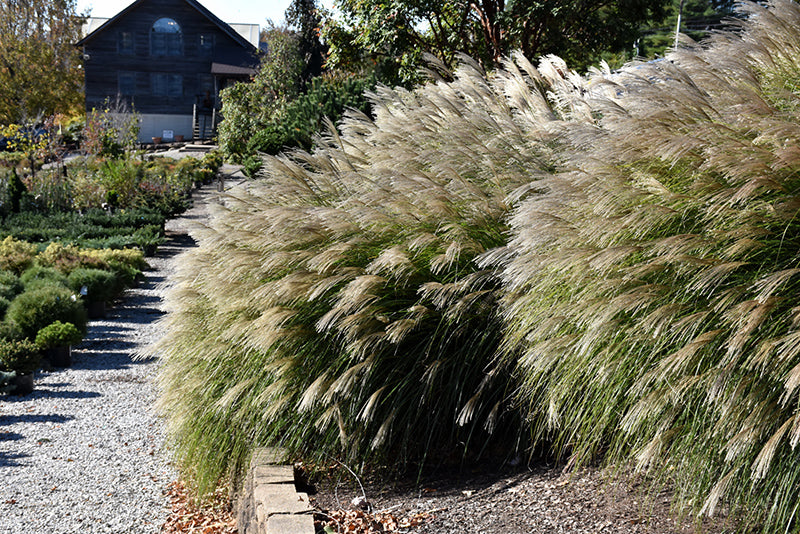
270, 502
197, 148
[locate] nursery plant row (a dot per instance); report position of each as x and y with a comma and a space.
74, 237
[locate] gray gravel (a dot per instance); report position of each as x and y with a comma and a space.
85, 452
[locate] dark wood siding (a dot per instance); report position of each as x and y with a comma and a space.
104, 59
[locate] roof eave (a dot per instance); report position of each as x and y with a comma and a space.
222, 25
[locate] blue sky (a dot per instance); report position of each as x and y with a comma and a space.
239, 11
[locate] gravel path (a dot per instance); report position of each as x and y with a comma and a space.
85, 452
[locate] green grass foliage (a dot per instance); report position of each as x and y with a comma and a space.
605, 264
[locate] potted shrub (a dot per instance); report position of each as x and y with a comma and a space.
39, 276
96, 286
148, 239
55, 340
33, 310
22, 358
7, 379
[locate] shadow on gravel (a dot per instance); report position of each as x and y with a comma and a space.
177, 241
99, 347
44, 392
95, 360
96, 328
9, 459
32, 418
143, 316
10, 436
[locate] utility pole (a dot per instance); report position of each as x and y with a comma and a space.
678, 26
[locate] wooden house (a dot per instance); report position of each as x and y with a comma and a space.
167, 60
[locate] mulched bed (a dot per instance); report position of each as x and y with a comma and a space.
212, 515
489, 499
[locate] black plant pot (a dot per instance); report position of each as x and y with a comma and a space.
59, 356
96, 309
149, 250
23, 384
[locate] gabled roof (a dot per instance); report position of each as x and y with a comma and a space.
226, 28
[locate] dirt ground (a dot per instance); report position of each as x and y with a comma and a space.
485, 499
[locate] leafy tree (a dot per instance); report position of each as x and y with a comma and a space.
285, 103
249, 107
296, 123
698, 17
395, 33
390, 37
306, 17
40, 71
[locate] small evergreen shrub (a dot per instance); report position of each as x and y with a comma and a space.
22, 356
15, 255
33, 310
95, 285
40, 276
58, 334
9, 331
212, 161
10, 285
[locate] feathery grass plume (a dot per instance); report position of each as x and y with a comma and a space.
652, 295
335, 307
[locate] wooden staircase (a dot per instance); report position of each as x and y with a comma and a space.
204, 123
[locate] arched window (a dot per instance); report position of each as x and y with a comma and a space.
166, 38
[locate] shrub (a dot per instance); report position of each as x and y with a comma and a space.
39, 276
94, 284
10, 332
212, 161
16, 256
33, 310
251, 165
110, 131
184, 174
66, 258
10, 285
58, 334
21, 356
15, 191
50, 189
296, 123
249, 106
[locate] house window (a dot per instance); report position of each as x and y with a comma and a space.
206, 95
127, 83
205, 45
125, 44
166, 38
166, 85
205, 84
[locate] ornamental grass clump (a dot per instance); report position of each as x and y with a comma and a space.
335, 307
652, 298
